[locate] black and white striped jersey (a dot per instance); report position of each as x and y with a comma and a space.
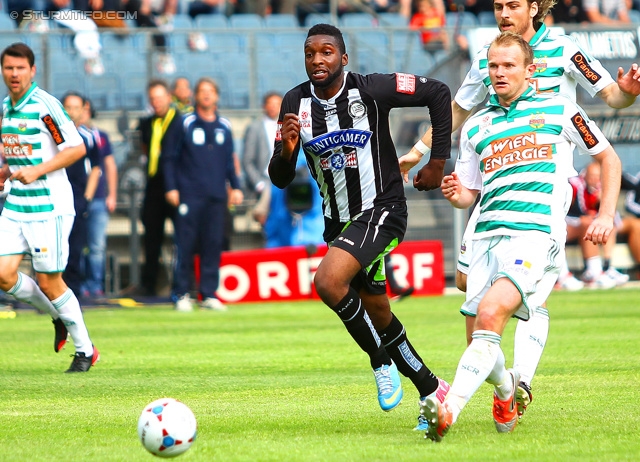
347, 142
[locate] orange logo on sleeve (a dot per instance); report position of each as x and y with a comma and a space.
514, 150
52, 126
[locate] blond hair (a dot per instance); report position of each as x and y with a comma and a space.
507, 39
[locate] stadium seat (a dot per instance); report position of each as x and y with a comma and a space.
211, 21
234, 42
634, 16
392, 20
291, 41
402, 40
486, 18
357, 20
100, 90
316, 18
414, 61
182, 21
461, 18
246, 21
281, 21
6, 23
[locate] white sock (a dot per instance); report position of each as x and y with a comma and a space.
500, 378
594, 265
529, 342
475, 366
26, 290
69, 309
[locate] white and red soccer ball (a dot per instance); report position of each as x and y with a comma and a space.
167, 427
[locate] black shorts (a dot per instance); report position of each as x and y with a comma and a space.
368, 238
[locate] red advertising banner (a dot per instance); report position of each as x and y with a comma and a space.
286, 273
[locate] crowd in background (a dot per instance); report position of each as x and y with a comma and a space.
427, 15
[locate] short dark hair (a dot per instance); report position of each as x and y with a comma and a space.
332, 31
19, 50
92, 111
158, 83
73, 93
270, 94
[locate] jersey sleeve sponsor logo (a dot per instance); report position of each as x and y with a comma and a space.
514, 150
586, 134
13, 148
585, 69
53, 128
333, 141
279, 131
405, 83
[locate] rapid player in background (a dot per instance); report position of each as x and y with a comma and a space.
522, 171
560, 66
341, 121
39, 142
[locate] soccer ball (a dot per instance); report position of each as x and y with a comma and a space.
167, 427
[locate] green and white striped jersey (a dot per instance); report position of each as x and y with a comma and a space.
33, 132
521, 158
560, 66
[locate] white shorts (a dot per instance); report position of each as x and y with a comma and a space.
531, 262
46, 241
464, 255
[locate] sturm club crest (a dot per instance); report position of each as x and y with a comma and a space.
357, 109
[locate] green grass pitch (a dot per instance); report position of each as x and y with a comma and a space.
284, 382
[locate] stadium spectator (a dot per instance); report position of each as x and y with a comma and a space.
340, 119
430, 20
294, 214
518, 248
606, 11
569, 11
156, 15
155, 209
198, 162
84, 176
587, 190
258, 147
103, 203
38, 213
526, 19
198, 7
182, 95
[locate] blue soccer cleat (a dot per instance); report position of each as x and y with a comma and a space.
389, 386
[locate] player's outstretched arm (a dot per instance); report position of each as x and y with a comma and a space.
623, 93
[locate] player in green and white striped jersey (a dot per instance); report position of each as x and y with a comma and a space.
561, 65
39, 141
518, 154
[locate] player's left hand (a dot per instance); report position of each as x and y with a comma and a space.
599, 230
451, 187
407, 162
26, 175
630, 82
430, 176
